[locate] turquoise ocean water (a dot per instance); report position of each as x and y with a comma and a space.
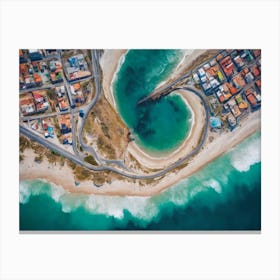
159, 126
224, 195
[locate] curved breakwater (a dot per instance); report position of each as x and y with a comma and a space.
158, 127
224, 195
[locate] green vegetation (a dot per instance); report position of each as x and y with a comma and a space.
51, 94
85, 139
68, 54
52, 156
112, 133
99, 178
87, 126
105, 130
146, 182
82, 173
52, 98
90, 159
24, 143
107, 148
71, 164
55, 153
57, 128
38, 158
84, 86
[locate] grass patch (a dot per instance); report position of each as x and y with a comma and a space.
71, 164
105, 130
82, 173
24, 143
107, 148
99, 178
90, 159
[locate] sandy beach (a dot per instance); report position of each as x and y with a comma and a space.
63, 175
111, 62
198, 121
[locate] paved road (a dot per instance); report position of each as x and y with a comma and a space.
103, 163
87, 109
39, 88
35, 117
79, 161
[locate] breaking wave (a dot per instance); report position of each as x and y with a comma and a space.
247, 154
214, 181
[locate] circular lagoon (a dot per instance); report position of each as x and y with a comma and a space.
160, 126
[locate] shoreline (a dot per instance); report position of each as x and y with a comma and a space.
63, 176
111, 63
198, 121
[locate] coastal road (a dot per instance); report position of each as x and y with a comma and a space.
79, 161
87, 109
103, 163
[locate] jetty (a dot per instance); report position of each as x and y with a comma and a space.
164, 89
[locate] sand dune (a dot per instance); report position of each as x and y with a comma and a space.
110, 62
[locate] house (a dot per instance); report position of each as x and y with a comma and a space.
27, 106
63, 104
76, 67
227, 66
56, 74
35, 54
65, 124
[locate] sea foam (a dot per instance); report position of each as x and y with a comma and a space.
146, 209
247, 154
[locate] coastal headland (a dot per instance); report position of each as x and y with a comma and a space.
136, 159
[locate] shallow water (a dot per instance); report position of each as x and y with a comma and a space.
159, 126
224, 195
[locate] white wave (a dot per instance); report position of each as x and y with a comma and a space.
146, 209
247, 154
24, 193
179, 193
139, 207
28, 189
214, 184
57, 192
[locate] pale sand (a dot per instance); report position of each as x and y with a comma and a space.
188, 58
63, 175
111, 62
198, 121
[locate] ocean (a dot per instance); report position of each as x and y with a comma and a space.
224, 195
159, 126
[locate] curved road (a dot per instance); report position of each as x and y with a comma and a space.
79, 161
96, 71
